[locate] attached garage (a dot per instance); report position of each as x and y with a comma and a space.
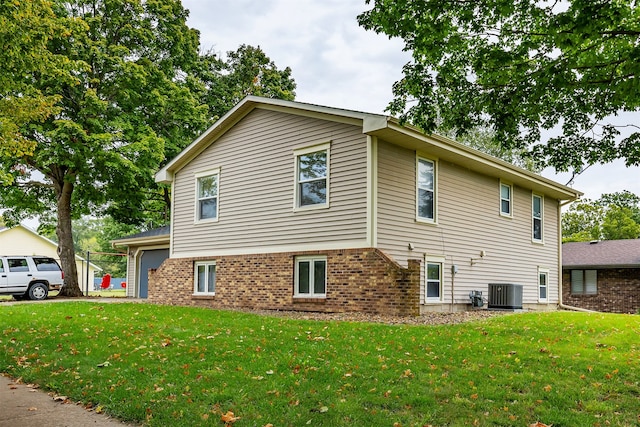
149, 259
146, 250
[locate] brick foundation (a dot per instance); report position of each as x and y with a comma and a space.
358, 280
618, 291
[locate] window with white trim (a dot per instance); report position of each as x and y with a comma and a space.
312, 177
584, 282
207, 196
433, 279
205, 278
543, 285
537, 217
310, 277
506, 192
426, 190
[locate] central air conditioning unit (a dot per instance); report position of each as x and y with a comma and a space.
505, 296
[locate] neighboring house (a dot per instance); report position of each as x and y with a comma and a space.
285, 205
146, 250
602, 275
22, 240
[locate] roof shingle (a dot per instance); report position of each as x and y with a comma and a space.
604, 253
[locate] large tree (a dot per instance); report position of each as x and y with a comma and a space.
525, 69
612, 216
121, 88
245, 71
121, 99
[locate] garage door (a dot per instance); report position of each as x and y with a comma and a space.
149, 259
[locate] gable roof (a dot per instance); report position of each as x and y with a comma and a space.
602, 254
377, 125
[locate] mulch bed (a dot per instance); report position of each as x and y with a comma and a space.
435, 318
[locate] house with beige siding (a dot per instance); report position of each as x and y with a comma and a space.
286, 205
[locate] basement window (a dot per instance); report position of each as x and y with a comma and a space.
205, 278
311, 277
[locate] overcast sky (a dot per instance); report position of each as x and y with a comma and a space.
338, 64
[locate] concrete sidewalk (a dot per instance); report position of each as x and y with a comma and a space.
25, 406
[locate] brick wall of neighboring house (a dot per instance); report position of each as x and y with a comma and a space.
618, 291
358, 280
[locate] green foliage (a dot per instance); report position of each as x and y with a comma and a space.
95, 235
619, 224
176, 366
117, 104
614, 216
247, 71
520, 68
111, 90
482, 139
22, 59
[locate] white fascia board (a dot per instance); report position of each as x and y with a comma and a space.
392, 131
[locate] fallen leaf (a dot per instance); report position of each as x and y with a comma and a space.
33, 408
229, 418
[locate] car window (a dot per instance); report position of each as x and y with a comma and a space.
1, 266
46, 264
18, 264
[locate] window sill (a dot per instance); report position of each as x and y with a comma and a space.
206, 221
315, 300
311, 207
426, 221
203, 297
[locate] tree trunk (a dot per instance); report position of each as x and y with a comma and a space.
71, 287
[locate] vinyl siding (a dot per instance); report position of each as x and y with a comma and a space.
132, 279
468, 221
256, 188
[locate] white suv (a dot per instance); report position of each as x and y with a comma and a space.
29, 276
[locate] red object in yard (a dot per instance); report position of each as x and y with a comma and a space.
123, 284
106, 281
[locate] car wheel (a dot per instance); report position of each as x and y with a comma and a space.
38, 291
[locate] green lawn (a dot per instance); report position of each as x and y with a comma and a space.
181, 366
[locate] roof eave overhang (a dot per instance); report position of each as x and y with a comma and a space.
389, 129
154, 240
600, 266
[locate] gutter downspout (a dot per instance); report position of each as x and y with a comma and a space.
561, 281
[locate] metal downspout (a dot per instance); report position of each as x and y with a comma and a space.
561, 274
